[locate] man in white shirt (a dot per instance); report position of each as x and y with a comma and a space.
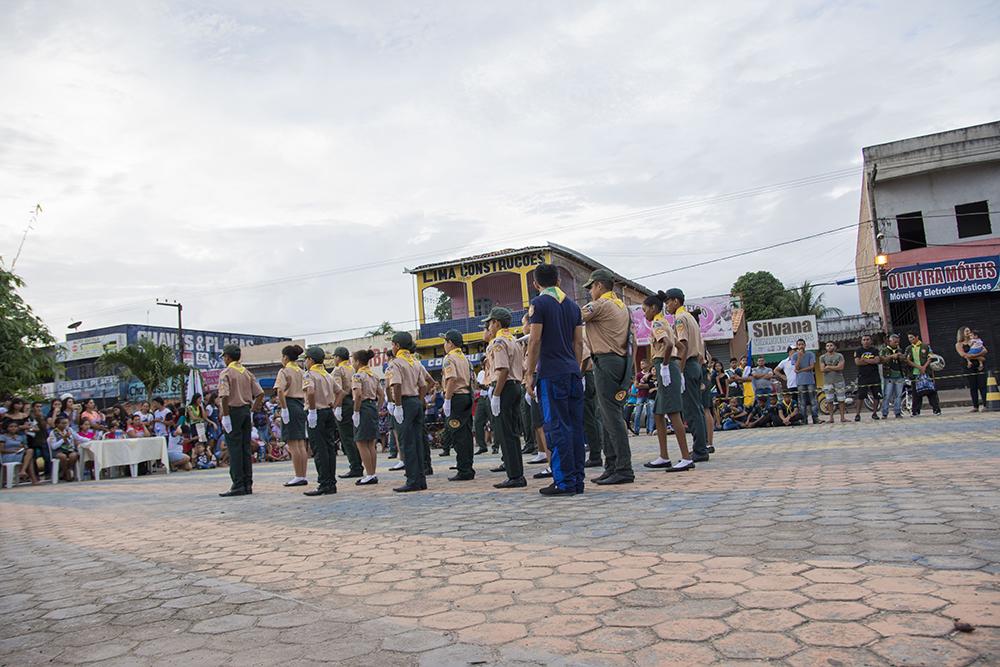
161, 415
785, 370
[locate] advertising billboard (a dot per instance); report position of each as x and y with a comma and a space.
715, 319
774, 336
954, 277
90, 347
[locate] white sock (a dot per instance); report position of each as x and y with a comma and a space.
683, 463
366, 478
660, 461
538, 457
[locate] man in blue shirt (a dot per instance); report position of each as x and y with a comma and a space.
805, 376
553, 375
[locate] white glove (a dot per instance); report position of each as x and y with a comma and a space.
489, 393
527, 397
356, 419
682, 383
311, 419
447, 407
397, 413
338, 413
495, 405
665, 374
390, 407
583, 383
286, 416
227, 424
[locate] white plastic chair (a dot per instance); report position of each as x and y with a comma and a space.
55, 469
10, 469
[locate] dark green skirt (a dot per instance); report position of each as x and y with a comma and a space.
668, 397
295, 429
368, 428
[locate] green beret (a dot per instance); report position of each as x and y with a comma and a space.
403, 339
316, 354
232, 351
342, 353
454, 336
500, 314
599, 274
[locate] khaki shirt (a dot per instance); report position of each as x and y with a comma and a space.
663, 338
366, 384
406, 376
239, 385
587, 362
504, 353
687, 328
425, 381
323, 385
290, 380
456, 365
606, 326
342, 375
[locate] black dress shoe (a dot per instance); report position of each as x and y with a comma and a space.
689, 466
350, 473
301, 482
656, 465
604, 475
479, 451
512, 484
545, 474
391, 456
233, 492
371, 480
461, 478
593, 464
615, 478
528, 450
700, 458
428, 472
499, 468
553, 490
711, 449
579, 490
249, 491
445, 454
328, 491
406, 488
496, 451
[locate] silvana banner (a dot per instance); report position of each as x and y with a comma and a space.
955, 277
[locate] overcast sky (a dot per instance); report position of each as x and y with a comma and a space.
178, 149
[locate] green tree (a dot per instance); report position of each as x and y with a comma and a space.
805, 300
442, 310
146, 361
762, 294
384, 329
27, 359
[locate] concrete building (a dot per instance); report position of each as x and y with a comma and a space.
931, 205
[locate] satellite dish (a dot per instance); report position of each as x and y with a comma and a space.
75, 325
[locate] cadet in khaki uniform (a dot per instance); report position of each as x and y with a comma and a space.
456, 375
321, 389
689, 352
404, 392
504, 368
608, 325
669, 399
343, 408
240, 392
367, 396
426, 383
482, 414
291, 395
592, 427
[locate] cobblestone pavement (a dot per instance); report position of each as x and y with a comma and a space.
853, 544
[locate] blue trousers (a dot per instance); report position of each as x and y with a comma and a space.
561, 400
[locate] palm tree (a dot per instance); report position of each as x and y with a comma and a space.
805, 300
148, 362
383, 329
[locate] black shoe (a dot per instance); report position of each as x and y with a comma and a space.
857, 418
529, 450
700, 459
875, 416
445, 454
553, 490
479, 451
406, 488
499, 468
350, 473
899, 415
233, 492
249, 491
428, 472
512, 484
937, 412
593, 464
373, 480
462, 478
301, 482
391, 456
328, 491
689, 466
545, 474
615, 478
579, 490
650, 464
495, 450
604, 475
711, 449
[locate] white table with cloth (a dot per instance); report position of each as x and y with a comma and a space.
125, 452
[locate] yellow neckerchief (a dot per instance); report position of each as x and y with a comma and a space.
343, 363
659, 317
505, 334
555, 293
613, 298
365, 369
237, 366
680, 309
406, 356
318, 368
457, 352
294, 366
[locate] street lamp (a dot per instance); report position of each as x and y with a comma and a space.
180, 339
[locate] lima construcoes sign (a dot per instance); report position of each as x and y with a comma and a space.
952, 278
774, 336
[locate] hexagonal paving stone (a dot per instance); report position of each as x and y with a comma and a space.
771, 599
923, 652
890, 625
835, 611
904, 602
690, 629
616, 640
607, 588
835, 592
765, 620
755, 645
229, 623
833, 576
493, 633
564, 625
834, 657
845, 634
675, 654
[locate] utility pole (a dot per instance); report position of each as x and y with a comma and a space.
180, 339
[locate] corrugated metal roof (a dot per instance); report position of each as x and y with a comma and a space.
848, 327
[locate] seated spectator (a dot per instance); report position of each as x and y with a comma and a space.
221, 452
86, 429
114, 430
759, 414
16, 450
204, 459
787, 412
94, 416
276, 427
257, 446
175, 451
64, 444
732, 414
137, 428
277, 450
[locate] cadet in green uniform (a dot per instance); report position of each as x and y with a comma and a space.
607, 327
592, 428
690, 352
404, 392
343, 408
239, 392
320, 390
456, 375
482, 415
504, 367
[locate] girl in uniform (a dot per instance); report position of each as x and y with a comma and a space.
293, 414
367, 395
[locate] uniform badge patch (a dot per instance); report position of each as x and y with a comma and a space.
454, 423
620, 396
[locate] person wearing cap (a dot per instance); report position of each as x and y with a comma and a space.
367, 394
608, 327
343, 408
554, 380
456, 373
689, 351
426, 383
482, 414
593, 431
291, 395
239, 392
503, 365
404, 393
321, 389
